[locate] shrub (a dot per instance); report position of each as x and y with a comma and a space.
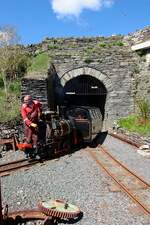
118, 43
53, 47
102, 44
15, 87
88, 60
144, 107
10, 107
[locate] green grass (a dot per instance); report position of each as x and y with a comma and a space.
10, 107
39, 63
134, 123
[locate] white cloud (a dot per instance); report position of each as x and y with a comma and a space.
67, 8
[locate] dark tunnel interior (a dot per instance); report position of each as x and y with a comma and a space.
85, 90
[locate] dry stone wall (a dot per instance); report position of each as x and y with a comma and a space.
111, 56
37, 88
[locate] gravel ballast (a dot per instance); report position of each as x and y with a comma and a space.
78, 179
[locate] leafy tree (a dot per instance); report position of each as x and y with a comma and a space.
13, 59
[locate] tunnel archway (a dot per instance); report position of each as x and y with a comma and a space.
85, 90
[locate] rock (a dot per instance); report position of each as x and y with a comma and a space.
143, 147
145, 153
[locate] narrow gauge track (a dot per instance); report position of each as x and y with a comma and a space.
125, 139
136, 188
7, 168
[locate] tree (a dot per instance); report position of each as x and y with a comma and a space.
13, 59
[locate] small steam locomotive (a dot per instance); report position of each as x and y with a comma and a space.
72, 128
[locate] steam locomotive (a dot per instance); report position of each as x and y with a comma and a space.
72, 128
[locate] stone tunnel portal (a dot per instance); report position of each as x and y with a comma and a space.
86, 90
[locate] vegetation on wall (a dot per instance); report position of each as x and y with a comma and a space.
139, 122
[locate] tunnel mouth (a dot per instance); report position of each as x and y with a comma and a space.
85, 90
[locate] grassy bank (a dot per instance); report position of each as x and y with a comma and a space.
137, 124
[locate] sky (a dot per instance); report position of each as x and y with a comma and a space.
35, 20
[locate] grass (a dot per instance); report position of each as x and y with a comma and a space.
134, 123
10, 107
39, 63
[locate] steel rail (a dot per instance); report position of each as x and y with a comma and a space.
6, 168
122, 186
124, 139
125, 167
12, 162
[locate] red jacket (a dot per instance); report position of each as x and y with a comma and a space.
30, 114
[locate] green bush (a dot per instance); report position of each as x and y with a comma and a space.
10, 107
118, 43
88, 60
144, 107
102, 44
15, 87
53, 47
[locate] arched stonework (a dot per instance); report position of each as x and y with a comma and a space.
87, 71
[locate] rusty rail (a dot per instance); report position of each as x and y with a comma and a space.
125, 139
7, 168
125, 167
129, 191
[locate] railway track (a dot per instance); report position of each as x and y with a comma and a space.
133, 185
7, 168
124, 139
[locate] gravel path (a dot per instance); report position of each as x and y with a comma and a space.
128, 155
78, 179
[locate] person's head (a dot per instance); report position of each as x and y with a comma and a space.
28, 99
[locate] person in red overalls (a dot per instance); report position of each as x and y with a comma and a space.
31, 111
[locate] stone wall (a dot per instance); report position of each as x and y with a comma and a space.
138, 36
36, 86
112, 57
141, 78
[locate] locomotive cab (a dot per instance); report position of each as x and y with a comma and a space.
86, 120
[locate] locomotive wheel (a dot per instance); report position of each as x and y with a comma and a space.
66, 146
59, 209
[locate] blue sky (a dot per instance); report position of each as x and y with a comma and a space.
37, 19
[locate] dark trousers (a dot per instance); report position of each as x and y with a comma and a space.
35, 136
31, 135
